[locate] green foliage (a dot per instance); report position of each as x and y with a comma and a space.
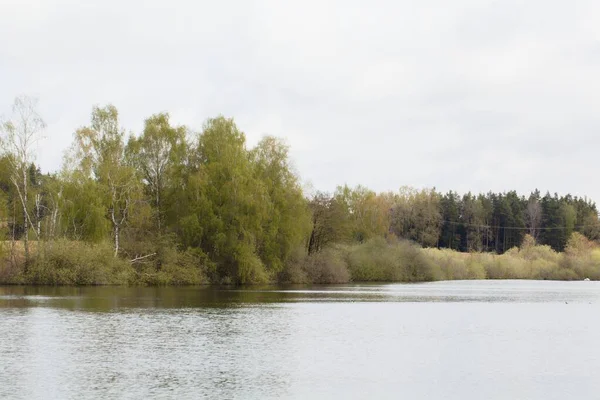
208, 209
158, 155
416, 216
243, 208
287, 222
378, 260
65, 262
330, 222
530, 261
583, 257
368, 214
172, 267
99, 152
396, 261
249, 266
454, 265
82, 210
229, 202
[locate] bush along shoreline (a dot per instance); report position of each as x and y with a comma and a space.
377, 260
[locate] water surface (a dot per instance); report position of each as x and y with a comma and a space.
444, 340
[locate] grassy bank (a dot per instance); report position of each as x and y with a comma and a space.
66, 262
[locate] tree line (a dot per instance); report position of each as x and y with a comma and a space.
492, 222
239, 213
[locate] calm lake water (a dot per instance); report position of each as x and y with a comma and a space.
444, 340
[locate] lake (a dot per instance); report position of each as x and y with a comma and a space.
442, 340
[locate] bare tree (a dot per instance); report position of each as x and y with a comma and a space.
21, 132
534, 217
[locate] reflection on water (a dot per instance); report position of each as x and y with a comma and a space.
115, 298
452, 340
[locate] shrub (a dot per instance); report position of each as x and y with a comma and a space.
293, 271
394, 261
64, 262
327, 266
250, 268
582, 257
374, 260
174, 268
450, 264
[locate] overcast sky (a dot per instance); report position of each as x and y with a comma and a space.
469, 95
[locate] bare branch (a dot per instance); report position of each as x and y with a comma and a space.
137, 259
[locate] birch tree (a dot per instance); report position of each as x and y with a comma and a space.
21, 133
100, 150
156, 154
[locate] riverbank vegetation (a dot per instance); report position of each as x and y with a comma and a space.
169, 205
380, 260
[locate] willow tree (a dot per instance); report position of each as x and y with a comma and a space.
287, 223
100, 151
22, 132
226, 204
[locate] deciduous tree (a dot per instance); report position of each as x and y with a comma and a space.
22, 132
